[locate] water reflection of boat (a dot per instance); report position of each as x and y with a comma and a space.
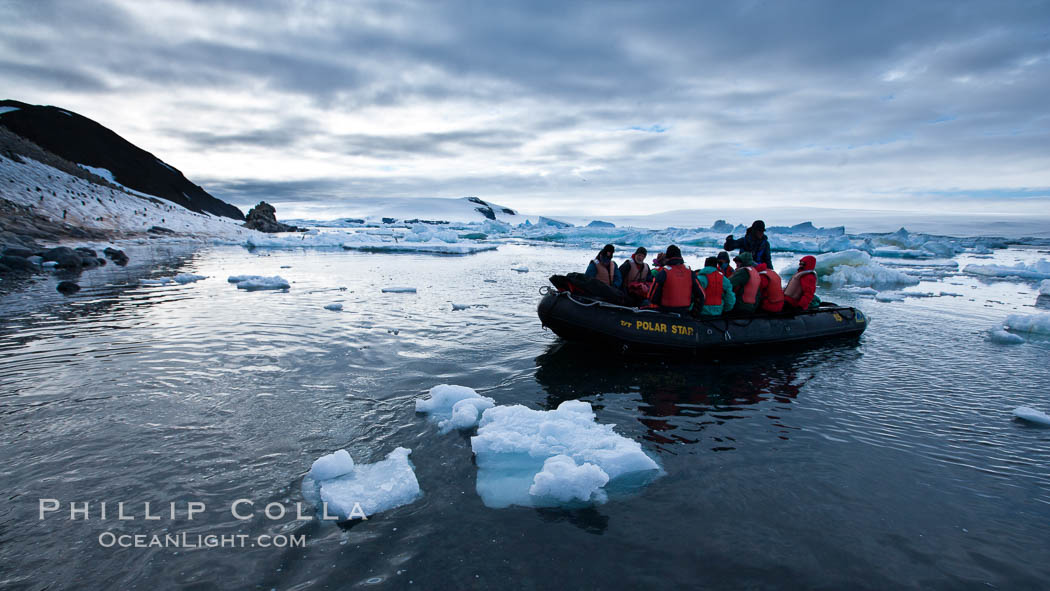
579, 318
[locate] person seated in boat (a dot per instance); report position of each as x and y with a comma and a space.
801, 290
718, 292
637, 276
675, 285
754, 242
604, 269
723, 264
770, 289
746, 282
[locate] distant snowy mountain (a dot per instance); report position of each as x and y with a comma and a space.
103, 152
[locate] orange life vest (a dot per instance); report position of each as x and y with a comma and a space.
794, 287
750, 292
605, 273
636, 272
677, 291
773, 294
713, 293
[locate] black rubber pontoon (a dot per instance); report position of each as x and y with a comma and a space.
579, 318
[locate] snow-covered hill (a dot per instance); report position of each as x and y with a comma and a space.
62, 197
420, 210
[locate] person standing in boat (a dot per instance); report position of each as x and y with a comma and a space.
801, 290
675, 285
754, 242
604, 269
718, 292
637, 276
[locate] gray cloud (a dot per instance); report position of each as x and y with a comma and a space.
825, 97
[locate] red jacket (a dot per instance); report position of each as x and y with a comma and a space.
803, 285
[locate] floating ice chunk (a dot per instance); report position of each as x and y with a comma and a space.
455, 407
185, 278
520, 269
855, 267
513, 442
158, 281
1037, 270
255, 282
863, 290
398, 290
998, 335
332, 465
336, 307
1031, 414
456, 306
49, 264
889, 297
466, 412
368, 489
561, 479
239, 278
1035, 323
1044, 287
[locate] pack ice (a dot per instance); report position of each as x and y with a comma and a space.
351, 490
855, 267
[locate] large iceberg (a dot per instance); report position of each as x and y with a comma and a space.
337, 487
514, 444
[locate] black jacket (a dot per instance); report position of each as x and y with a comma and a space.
759, 249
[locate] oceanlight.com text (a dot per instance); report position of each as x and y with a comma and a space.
116, 540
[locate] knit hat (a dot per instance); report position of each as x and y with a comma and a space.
673, 252
744, 259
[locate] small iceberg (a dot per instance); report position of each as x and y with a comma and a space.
1044, 287
158, 281
257, 282
398, 290
998, 335
1030, 324
1032, 415
520, 269
515, 444
888, 297
185, 278
454, 407
338, 487
336, 307
1037, 270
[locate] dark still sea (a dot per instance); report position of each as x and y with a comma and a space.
886, 462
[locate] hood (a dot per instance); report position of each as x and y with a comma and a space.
808, 263
674, 261
746, 260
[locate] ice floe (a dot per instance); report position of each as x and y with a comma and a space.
562, 479
1003, 337
1030, 324
185, 278
513, 444
454, 407
855, 267
257, 282
1044, 287
1037, 270
339, 487
398, 290
336, 307
1030, 414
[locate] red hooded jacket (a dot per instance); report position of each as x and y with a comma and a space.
803, 285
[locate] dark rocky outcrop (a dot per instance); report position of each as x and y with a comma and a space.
81, 140
119, 257
18, 263
159, 230
68, 287
263, 217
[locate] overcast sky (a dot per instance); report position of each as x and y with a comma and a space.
561, 107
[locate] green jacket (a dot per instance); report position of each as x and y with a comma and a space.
728, 297
738, 280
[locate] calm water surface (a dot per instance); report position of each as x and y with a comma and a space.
888, 462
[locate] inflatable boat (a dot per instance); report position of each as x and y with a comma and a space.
576, 317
